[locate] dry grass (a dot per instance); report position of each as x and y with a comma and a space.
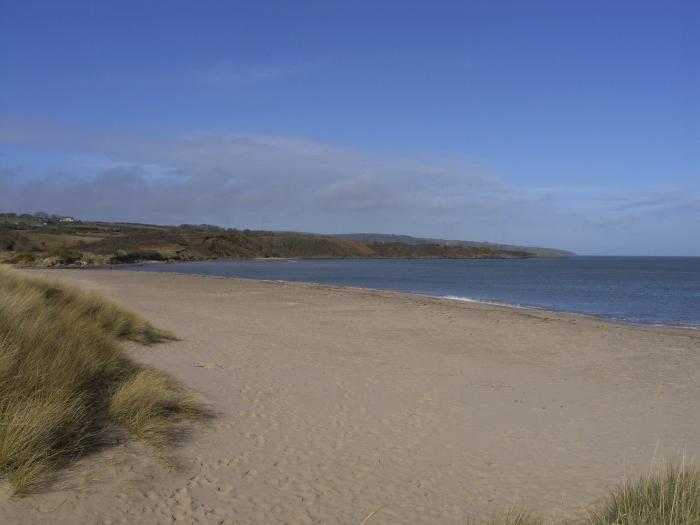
515, 517
56, 297
147, 404
667, 495
65, 381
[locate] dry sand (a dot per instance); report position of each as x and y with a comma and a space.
335, 402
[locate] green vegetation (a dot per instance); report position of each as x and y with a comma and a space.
46, 241
426, 251
65, 383
376, 238
23, 259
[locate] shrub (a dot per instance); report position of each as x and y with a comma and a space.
23, 259
122, 257
64, 256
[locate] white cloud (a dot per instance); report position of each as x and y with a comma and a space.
299, 184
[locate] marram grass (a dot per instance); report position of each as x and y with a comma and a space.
65, 382
667, 495
520, 516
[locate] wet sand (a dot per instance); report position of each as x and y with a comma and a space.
335, 402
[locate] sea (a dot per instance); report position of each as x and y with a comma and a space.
656, 291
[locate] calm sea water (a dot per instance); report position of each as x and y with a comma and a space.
646, 290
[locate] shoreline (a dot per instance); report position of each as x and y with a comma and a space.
647, 325
333, 401
650, 325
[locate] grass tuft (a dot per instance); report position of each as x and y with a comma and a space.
149, 403
668, 495
519, 516
65, 381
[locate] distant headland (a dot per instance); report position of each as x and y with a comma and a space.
41, 239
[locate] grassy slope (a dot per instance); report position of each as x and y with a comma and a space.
65, 382
371, 238
30, 242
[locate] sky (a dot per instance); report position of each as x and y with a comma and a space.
569, 124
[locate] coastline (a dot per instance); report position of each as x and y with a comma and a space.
649, 325
333, 401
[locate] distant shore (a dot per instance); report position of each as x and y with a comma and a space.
655, 326
335, 402
605, 286
58, 241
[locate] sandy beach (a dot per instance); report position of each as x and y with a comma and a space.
333, 403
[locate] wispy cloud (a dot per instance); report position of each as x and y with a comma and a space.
661, 201
239, 179
293, 183
617, 208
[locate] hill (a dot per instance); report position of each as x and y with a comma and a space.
408, 239
45, 240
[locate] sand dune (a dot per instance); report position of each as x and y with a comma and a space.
336, 402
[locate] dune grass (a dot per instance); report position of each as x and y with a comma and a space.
70, 302
65, 382
669, 494
520, 516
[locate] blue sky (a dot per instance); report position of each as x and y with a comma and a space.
573, 124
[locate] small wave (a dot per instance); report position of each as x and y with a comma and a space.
606, 317
649, 323
484, 301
